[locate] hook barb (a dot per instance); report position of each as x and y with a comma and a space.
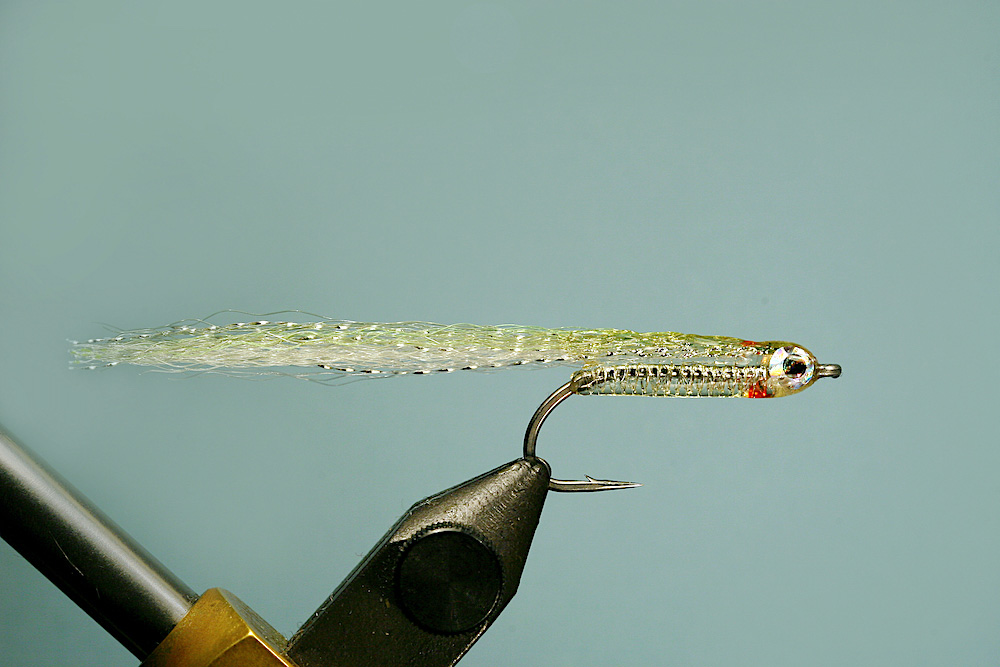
591, 484
564, 485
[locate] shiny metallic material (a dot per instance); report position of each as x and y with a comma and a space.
773, 369
828, 371
531, 435
220, 631
92, 560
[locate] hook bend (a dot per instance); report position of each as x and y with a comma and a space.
531, 436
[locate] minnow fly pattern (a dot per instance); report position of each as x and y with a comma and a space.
611, 361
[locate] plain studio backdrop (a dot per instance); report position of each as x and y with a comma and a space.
825, 173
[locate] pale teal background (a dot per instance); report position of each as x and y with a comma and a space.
820, 172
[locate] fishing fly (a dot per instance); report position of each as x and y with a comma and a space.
611, 362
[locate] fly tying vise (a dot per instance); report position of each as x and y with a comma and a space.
613, 362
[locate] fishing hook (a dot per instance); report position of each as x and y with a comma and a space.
531, 435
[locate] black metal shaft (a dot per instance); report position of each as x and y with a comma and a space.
93, 561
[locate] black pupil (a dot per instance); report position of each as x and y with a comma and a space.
794, 367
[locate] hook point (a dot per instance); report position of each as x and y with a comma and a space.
580, 486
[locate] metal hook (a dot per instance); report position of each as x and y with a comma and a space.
531, 435
828, 371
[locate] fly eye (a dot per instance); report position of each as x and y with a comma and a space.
794, 367
791, 368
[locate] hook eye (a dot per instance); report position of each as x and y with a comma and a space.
531, 436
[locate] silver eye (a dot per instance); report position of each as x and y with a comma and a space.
791, 367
